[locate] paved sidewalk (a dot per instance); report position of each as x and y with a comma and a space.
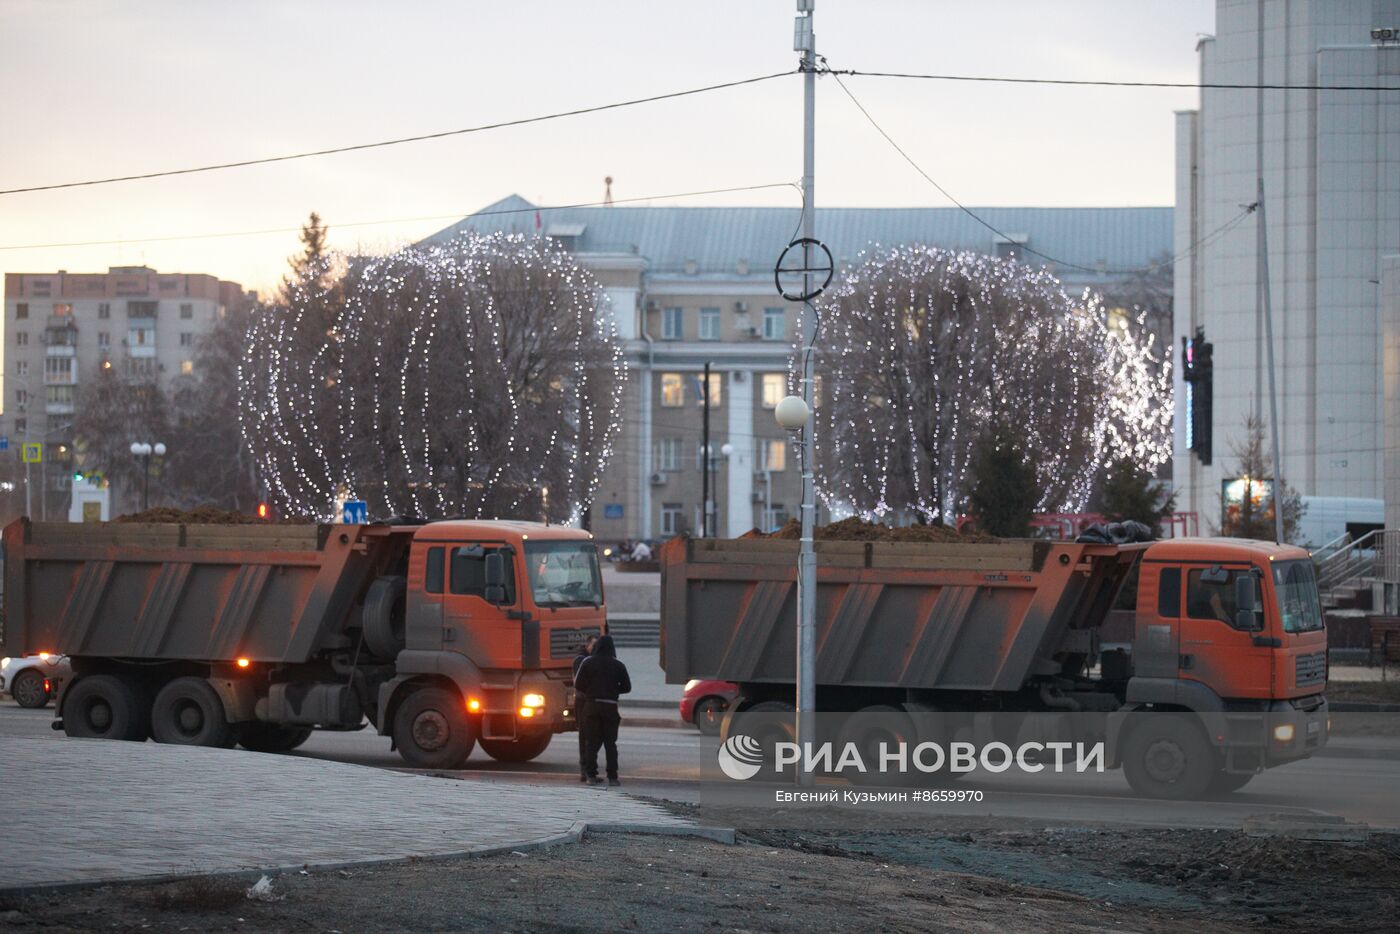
103, 810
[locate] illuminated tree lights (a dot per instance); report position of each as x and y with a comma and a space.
482, 377
922, 350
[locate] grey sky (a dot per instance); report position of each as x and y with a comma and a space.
96, 88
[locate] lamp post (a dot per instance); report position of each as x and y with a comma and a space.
144, 450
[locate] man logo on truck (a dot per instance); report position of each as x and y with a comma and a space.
740, 757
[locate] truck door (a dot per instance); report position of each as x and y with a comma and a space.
1234, 662
1156, 642
427, 575
472, 626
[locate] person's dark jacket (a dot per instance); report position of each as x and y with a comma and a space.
578, 659
601, 676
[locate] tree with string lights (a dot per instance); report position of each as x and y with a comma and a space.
923, 351
481, 377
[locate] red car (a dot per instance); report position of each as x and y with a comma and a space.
705, 702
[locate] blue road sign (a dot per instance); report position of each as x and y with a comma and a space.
612, 510
356, 512
4, 442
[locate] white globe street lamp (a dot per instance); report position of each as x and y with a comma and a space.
792, 413
144, 450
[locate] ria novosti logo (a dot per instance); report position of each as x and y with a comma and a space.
740, 757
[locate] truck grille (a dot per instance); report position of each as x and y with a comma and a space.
1311, 669
565, 642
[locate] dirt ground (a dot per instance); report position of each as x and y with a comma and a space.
856, 871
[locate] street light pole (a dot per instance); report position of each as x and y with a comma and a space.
705, 454
806, 43
144, 450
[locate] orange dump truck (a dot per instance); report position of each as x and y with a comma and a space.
1228, 631
443, 635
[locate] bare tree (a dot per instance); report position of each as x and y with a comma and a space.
113, 410
482, 377
923, 350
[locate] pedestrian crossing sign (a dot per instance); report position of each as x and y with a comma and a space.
33, 452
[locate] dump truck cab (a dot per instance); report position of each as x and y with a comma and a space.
498, 609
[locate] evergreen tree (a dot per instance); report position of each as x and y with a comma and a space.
1004, 491
1129, 492
1253, 515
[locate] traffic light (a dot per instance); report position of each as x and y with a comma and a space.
1197, 371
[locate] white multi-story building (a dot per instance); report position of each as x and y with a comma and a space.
64, 328
1331, 170
691, 285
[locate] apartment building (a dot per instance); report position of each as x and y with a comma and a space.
63, 328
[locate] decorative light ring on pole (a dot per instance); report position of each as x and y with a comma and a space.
825, 271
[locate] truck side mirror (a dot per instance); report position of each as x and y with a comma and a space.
495, 578
1244, 603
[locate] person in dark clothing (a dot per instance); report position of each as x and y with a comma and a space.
602, 678
581, 702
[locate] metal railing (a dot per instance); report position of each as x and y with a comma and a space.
1375, 555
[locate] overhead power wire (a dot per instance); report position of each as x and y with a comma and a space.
400, 141
1219, 231
1086, 82
460, 215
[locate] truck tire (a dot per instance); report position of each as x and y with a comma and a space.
519, 750
768, 722
383, 616
709, 714
870, 727
1168, 756
432, 729
106, 707
189, 712
1227, 783
271, 737
28, 689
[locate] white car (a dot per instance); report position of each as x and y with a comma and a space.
27, 679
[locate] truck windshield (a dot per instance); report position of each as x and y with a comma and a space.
1297, 596
564, 573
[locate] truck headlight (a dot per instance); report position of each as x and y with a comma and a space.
4, 662
533, 700
689, 685
1283, 733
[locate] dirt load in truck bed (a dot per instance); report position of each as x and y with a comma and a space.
856, 529
203, 515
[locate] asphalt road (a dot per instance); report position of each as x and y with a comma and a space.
1356, 778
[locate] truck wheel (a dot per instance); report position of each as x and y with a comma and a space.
189, 712
432, 729
871, 727
768, 722
1225, 783
519, 750
1168, 756
106, 707
383, 616
709, 714
28, 689
272, 737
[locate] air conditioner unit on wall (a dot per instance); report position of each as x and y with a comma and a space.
658, 479
757, 497
741, 307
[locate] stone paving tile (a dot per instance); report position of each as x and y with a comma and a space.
107, 810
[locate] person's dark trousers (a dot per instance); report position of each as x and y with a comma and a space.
603, 720
581, 718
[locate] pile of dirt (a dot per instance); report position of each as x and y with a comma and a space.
856, 529
204, 515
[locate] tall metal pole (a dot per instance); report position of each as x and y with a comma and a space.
705, 455
1263, 296
806, 42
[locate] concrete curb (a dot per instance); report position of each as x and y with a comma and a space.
574, 834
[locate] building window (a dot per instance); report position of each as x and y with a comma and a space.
141, 337
773, 455
187, 311
59, 395
714, 457
21, 367
186, 367
22, 396
21, 338
667, 455
21, 426
104, 309
774, 389
777, 516
104, 339
672, 518
62, 310
672, 324
672, 390
60, 369
186, 339
709, 324
22, 310
716, 389
774, 324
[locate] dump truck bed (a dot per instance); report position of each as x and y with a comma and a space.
269, 593
955, 616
